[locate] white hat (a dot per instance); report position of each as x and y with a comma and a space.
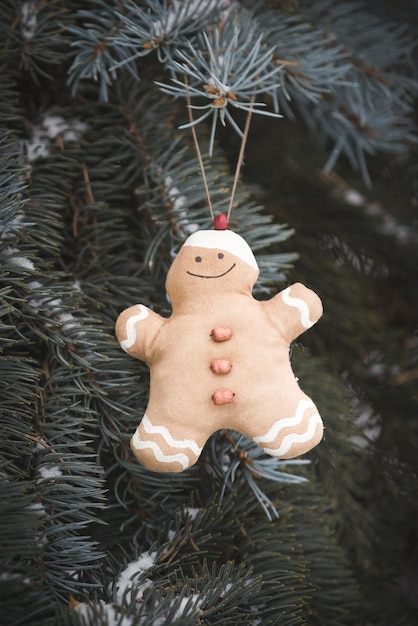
223, 240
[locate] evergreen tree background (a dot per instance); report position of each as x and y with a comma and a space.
99, 186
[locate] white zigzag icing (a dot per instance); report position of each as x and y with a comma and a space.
289, 440
130, 327
181, 458
165, 433
285, 422
299, 304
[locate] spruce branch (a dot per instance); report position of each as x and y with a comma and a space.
93, 55
225, 68
312, 64
235, 459
206, 592
33, 37
307, 62
351, 91
162, 25
226, 65
114, 39
369, 118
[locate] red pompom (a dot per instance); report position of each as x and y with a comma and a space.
221, 222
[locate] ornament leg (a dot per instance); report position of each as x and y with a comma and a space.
294, 435
155, 447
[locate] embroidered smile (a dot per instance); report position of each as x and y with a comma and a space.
217, 276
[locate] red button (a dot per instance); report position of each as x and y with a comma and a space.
221, 333
221, 366
223, 396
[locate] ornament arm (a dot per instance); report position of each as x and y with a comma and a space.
295, 309
136, 330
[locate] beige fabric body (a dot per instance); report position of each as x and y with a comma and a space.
268, 404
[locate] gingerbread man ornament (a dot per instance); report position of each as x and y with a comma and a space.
221, 360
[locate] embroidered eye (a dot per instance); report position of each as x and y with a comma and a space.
198, 259
220, 255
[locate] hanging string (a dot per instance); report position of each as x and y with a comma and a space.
199, 154
241, 156
197, 147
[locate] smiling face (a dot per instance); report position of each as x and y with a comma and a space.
199, 259
211, 263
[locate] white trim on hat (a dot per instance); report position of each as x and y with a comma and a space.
223, 240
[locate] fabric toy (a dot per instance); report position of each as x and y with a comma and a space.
221, 360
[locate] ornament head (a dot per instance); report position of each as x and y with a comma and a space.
210, 263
